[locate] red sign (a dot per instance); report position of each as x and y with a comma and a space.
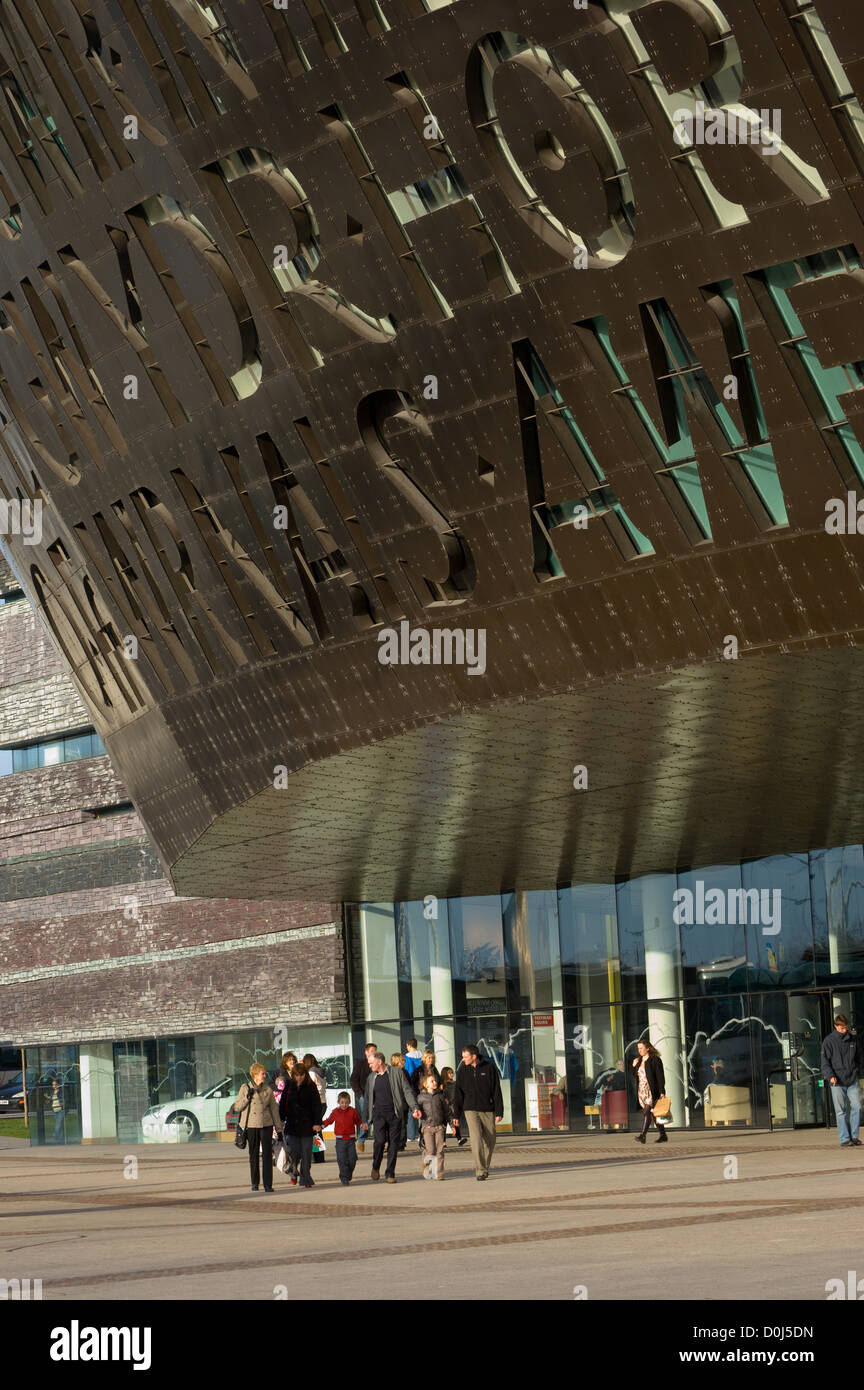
543, 1020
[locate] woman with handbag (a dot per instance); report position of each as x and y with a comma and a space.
256, 1106
316, 1074
650, 1086
301, 1111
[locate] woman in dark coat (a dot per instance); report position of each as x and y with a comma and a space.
650, 1086
301, 1111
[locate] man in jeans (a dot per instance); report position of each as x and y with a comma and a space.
388, 1092
477, 1095
841, 1063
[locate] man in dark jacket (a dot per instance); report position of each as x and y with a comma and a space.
477, 1095
359, 1076
841, 1064
388, 1093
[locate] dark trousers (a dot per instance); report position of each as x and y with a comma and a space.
263, 1139
647, 1117
300, 1145
387, 1129
346, 1157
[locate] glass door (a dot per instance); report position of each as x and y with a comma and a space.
809, 1021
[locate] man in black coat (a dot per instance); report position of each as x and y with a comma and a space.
841, 1066
388, 1095
359, 1078
477, 1096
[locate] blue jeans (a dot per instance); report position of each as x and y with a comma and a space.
412, 1129
847, 1129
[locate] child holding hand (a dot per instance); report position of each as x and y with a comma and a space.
433, 1112
346, 1122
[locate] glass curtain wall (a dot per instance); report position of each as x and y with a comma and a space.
164, 1090
718, 967
733, 972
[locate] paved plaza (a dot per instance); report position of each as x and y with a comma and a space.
559, 1213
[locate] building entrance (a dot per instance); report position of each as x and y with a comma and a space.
796, 1089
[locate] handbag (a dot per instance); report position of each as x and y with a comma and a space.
662, 1108
285, 1161
319, 1149
241, 1139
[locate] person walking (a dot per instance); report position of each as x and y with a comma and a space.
58, 1111
345, 1122
300, 1109
289, 1062
359, 1076
433, 1112
650, 1086
477, 1095
262, 1118
417, 1078
411, 1061
448, 1086
316, 1074
315, 1071
397, 1059
427, 1068
841, 1066
388, 1093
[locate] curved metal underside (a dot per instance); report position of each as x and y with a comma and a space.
317, 325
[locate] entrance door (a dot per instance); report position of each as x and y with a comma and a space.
810, 1018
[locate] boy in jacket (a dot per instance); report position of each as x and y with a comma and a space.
345, 1123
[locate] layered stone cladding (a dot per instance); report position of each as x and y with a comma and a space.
94, 943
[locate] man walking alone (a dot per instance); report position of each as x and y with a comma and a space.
477, 1096
841, 1064
388, 1093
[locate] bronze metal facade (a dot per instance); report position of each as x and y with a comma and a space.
328, 328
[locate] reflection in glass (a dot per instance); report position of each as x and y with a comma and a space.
423, 948
539, 1046
531, 933
477, 952
714, 945
719, 1069
596, 1070
781, 959
588, 924
378, 953
840, 952
53, 1095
